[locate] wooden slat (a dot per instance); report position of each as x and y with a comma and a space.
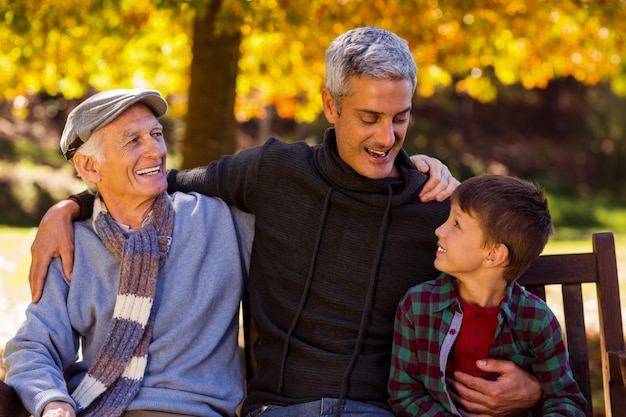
577, 339
611, 330
560, 269
608, 293
617, 364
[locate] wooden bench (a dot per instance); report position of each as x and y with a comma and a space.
570, 271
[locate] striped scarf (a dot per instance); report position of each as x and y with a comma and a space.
116, 375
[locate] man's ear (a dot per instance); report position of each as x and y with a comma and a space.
330, 109
498, 255
87, 167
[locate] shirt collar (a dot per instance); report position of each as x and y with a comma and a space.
445, 295
99, 206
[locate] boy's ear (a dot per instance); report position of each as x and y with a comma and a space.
498, 255
87, 167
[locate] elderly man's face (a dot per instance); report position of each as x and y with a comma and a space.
372, 124
133, 167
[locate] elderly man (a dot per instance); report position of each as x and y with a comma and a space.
148, 325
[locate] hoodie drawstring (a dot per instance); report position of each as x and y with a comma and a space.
305, 292
369, 301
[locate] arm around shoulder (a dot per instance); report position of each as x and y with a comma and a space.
230, 178
54, 238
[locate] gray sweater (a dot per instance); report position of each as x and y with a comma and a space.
193, 366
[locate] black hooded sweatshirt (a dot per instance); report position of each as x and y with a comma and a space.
333, 254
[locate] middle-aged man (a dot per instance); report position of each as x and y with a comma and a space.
149, 322
341, 234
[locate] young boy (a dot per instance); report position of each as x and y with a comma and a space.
475, 310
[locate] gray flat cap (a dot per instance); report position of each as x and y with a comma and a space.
101, 109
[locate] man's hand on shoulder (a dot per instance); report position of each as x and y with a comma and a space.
440, 183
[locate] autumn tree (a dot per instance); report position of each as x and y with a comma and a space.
210, 120
220, 61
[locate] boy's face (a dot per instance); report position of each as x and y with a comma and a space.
460, 248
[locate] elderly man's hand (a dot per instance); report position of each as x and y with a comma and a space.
513, 393
58, 409
55, 237
440, 183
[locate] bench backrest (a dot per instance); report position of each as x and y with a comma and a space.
570, 271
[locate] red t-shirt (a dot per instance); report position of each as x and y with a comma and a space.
475, 338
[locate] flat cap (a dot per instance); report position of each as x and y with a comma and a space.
101, 109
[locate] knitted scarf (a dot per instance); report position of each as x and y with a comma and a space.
116, 375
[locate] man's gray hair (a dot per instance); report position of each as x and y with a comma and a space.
367, 52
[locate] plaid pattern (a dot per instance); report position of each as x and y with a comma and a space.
427, 322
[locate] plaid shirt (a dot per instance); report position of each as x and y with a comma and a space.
427, 322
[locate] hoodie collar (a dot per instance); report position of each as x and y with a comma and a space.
336, 172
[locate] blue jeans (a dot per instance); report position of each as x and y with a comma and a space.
326, 407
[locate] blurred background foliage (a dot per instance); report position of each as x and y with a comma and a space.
532, 88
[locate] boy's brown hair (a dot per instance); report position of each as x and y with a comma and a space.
509, 211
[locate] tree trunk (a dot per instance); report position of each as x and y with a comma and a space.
210, 123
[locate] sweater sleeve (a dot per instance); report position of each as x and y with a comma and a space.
85, 200
245, 229
232, 178
44, 345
